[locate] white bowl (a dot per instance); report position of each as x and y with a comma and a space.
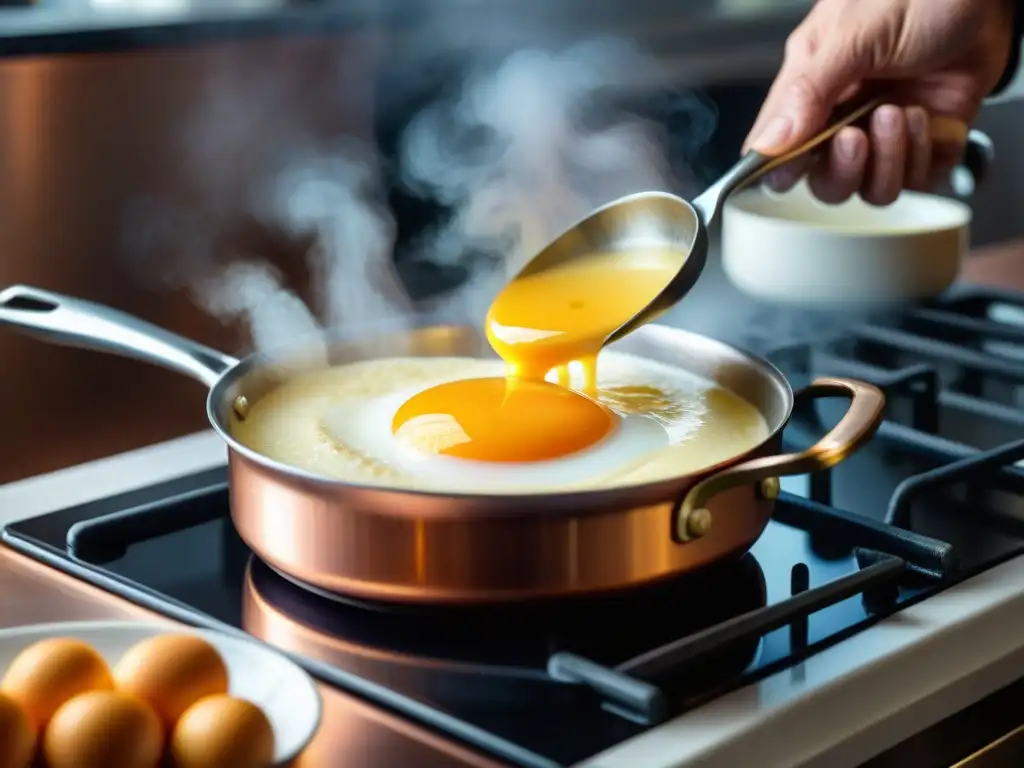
286, 694
792, 249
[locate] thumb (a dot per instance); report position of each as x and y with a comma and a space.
803, 95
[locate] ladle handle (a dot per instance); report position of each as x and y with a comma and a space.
753, 165
840, 120
77, 323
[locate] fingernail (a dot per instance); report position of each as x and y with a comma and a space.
917, 121
774, 136
847, 147
887, 120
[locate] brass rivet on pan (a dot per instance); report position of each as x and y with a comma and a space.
698, 523
770, 488
241, 407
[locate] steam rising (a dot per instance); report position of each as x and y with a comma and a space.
339, 197
528, 149
275, 316
523, 149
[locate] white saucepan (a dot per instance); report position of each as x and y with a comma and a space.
792, 249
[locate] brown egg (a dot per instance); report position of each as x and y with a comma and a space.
45, 675
17, 737
222, 731
103, 729
171, 673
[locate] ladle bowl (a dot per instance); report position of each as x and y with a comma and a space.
646, 220
670, 224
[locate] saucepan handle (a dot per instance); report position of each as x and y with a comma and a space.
867, 408
77, 323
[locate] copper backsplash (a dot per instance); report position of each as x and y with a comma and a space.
82, 138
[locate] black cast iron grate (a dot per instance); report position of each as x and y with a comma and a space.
951, 332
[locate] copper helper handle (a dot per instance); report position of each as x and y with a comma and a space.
867, 408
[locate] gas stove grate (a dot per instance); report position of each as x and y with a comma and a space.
885, 550
628, 689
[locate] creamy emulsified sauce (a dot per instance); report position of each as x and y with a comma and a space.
337, 423
545, 417
538, 324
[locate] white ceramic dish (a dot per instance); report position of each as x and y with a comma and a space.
792, 249
285, 693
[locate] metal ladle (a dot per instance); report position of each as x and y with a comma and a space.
666, 222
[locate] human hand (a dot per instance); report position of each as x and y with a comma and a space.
933, 60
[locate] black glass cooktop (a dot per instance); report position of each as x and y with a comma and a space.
931, 500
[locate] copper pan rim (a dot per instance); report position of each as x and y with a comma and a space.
225, 390
438, 504
231, 382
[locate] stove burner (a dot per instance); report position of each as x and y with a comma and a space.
447, 650
610, 627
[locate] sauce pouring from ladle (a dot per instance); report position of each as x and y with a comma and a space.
617, 269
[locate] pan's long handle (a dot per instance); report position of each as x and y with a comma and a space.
77, 323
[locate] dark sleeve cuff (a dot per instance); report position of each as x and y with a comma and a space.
1014, 61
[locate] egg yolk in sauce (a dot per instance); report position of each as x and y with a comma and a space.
540, 322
